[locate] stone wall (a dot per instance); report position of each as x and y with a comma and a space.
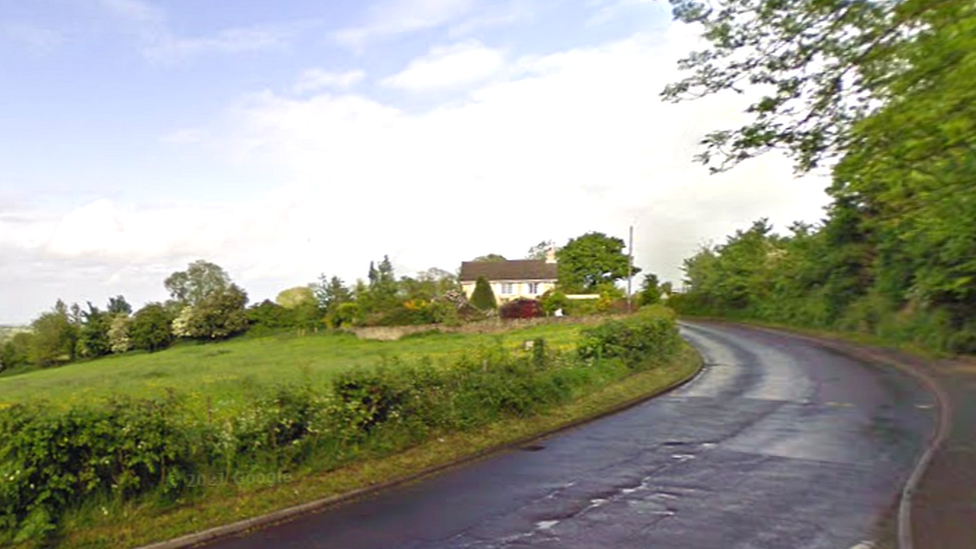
494, 325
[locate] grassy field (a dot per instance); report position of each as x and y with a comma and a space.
218, 375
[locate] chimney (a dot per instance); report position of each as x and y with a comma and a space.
551, 255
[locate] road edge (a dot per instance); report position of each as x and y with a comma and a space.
868, 354
228, 530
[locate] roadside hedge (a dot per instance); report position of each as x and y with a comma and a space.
54, 460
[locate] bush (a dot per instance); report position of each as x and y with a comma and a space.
521, 308
640, 340
402, 315
346, 315
51, 460
582, 307
552, 301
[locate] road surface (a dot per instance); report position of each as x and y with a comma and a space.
776, 444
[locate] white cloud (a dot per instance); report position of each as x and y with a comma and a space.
449, 67
579, 141
391, 17
317, 79
569, 143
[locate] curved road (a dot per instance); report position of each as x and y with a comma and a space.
777, 444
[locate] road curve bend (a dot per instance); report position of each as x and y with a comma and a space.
778, 443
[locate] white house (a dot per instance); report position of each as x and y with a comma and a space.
520, 278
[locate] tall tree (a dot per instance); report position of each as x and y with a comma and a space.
93, 339
590, 261
483, 297
331, 292
650, 291
541, 250
295, 297
55, 337
150, 328
119, 306
221, 315
382, 291
427, 285
200, 280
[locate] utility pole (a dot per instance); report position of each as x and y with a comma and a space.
630, 265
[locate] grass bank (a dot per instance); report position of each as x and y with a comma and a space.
860, 338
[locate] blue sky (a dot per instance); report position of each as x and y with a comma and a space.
283, 140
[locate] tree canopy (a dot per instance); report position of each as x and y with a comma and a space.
295, 297
199, 281
592, 260
489, 258
816, 68
541, 250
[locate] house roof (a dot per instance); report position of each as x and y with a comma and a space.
518, 269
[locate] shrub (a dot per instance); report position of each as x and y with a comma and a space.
552, 301
370, 396
402, 315
521, 308
582, 307
50, 460
648, 336
346, 314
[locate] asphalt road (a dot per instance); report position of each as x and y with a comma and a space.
777, 444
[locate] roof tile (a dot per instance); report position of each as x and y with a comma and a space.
518, 269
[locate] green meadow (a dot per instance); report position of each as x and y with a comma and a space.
219, 375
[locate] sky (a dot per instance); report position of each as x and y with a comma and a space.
285, 140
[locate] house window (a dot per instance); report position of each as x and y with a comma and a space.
533, 288
507, 288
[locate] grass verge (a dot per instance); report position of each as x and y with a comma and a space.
131, 526
849, 337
